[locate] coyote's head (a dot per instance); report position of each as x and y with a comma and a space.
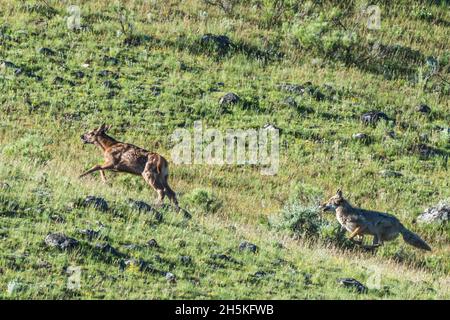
334, 202
92, 136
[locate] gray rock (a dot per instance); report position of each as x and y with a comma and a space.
152, 243
90, 234
360, 136
108, 73
47, 51
186, 260
437, 214
60, 241
372, 117
57, 218
353, 283
221, 42
107, 248
95, 202
186, 214
228, 99
423, 108
292, 88
110, 60
171, 277
247, 246
145, 207
390, 174
141, 264
424, 151
289, 101
4, 186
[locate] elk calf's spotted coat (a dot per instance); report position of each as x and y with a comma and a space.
125, 157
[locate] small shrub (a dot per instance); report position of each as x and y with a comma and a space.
320, 34
303, 220
203, 201
304, 193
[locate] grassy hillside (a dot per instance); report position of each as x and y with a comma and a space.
143, 68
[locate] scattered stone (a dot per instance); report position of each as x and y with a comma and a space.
156, 91
140, 205
141, 264
57, 218
224, 257
60, 241
289, 101
61, 81
110, 84
292, 88
90, 234
425, 151
259, 274
247, 246
8, 64
269, 126
108, 73
353, 283
152, 243
390, 174
279, 245
130, 246
423, 137
47, 51
423, 108
112, 94
107, 248
171, 277
110, 60
95, 202
4, 186
390, 135
186, 214
145, 207
221, 42
186, 260
228, 99
361, 137
372, 117
437, 214
78, 74
14, 286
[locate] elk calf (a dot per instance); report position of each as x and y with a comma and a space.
125, 157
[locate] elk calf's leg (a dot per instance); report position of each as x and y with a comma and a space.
96, 168
150, 177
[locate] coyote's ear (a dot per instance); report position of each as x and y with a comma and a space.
339, 193
106, 128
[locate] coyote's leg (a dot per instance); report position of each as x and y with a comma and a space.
356, 232
151, 178
105, 166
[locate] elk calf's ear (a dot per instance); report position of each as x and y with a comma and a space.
339, 193
101, 128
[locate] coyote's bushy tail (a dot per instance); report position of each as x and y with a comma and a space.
413, 239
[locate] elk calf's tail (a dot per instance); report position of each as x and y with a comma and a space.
413, 239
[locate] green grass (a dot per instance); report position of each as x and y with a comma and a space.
169, 81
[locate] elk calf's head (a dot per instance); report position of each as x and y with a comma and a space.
92, 136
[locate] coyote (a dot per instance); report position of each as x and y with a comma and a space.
125, 157
382, 226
